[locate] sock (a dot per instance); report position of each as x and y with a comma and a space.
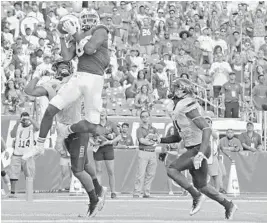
97, 186
40, 142
225, 203
69, 130
92, 196
193, 191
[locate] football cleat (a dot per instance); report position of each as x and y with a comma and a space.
230, 211
94, 208
102, 195
197, 202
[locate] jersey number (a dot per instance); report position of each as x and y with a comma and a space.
22, 144
146, 32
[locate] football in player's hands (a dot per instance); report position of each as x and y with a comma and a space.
60, 28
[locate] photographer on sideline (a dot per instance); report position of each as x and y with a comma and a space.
23, 132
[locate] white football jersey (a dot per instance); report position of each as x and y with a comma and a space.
189, 132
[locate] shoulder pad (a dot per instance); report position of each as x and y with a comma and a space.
100, 27
186, 105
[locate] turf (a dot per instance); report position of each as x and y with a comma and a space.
55, 208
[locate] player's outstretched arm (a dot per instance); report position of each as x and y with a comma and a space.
33, 90
97, 39
201, 123
171, 139
67, 53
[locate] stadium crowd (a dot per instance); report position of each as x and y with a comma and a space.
220, 46
151, 43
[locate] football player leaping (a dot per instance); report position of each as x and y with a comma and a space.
78, 148
91, 47
191, 126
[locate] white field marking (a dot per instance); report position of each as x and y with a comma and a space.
168, 196
72, 215
131, 201
179, 209
115, 221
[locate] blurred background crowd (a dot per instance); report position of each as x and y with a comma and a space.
220, 46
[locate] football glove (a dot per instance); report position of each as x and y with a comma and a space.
197, 160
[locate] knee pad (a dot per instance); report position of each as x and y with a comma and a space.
3, 173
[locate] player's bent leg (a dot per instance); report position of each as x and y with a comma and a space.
200, 182
174, 171
84, 126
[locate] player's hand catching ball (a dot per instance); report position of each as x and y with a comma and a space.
198, 160
69, 27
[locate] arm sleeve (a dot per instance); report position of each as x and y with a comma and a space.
96, 41
172, 139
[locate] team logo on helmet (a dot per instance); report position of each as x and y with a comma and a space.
88, 19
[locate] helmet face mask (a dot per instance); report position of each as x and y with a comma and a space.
88, 19
62, 69
182, 87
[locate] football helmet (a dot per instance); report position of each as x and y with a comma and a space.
88, 19
62, 69
182, 87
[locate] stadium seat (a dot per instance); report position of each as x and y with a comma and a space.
159, 107
158, 113
111, 112
123, 112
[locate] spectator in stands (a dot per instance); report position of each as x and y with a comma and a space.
232, 96
147, 158
230, 143
36, 13
219, 71
264, 46
105, 152
23, 132
146, 40
161, 92
259, 32
13, 96
126, 138
205, 44
143, 100
259, 93
140, 81
250, 140
133, 34
126, 18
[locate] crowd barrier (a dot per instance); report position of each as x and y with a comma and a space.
249, 166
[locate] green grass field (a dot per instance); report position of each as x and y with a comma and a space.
54, 208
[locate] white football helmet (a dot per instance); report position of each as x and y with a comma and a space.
88, 19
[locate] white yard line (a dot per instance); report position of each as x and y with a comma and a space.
131, 201
115, 221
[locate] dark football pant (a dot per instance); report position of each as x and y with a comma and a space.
199, 176
76, 145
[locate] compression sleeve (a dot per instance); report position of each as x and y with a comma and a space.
172, 139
